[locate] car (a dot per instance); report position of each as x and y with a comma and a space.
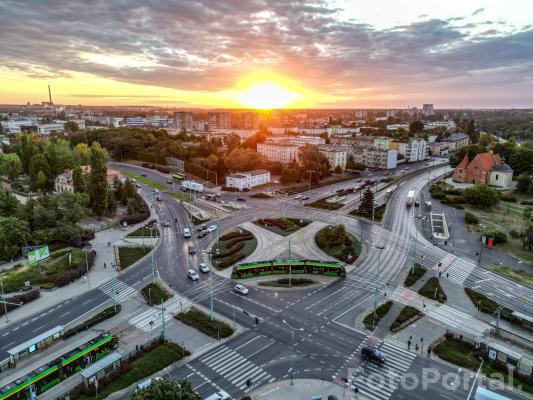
373, 354
241, 289
298, 196
417, 203
193, 275
167, 224
241, 199
143, 174
202, 234
137, 186
170, 182
192, 250
220, 395
202, 228
186, 233
340, 190
212, 228
218, 194
146, 383
305, 198
204, 267
158, 198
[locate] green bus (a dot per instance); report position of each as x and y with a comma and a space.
312, 267
48, 375
178, 177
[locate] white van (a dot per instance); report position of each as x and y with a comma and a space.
220, 395
146, 383
186, 233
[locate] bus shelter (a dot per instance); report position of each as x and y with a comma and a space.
37, 343
101, 368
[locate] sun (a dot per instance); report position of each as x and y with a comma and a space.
267, 95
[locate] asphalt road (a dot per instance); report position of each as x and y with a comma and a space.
307, 332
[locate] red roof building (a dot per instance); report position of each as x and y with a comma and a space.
479, 170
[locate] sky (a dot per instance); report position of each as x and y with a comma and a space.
268, 53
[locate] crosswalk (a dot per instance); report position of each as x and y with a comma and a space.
379, 382
459, 270
458, 321
122, 291
235, 368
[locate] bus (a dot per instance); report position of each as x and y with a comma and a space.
48, 375
313, 267
484, 394
178, 177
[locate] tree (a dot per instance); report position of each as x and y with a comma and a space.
128, 191
79, 180
41, 181
472, 150
240, 159
471, 131
167, 389
521, 160
10, 165
71, 126
39, 163
98, 179
82, 154
524, 184
367, 204
311, 159
232, 141
416, 127
481, 196
526, 214
527, 238
338, 169
251, 142
14, 234
117, 187
70, 207
290, 174
9, 205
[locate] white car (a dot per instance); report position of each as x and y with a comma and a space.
193, 275
204, 268
167, 224
220, 395
298, 196
212, 228
240, 289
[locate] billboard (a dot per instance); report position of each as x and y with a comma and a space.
37, 255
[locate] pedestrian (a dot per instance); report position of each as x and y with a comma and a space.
447, 275
108, 244
105, 266
440, 274
416, 347
408, 345
429, 351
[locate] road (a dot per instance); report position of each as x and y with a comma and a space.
307, 332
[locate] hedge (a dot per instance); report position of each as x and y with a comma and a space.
203, 323
233, 235
231, 260
70, 276
101, 316
471, 218
23, 298
135, 218
239, 246
238, 240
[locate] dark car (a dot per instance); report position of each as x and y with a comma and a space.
305, 198
373, 354
417, 203
169, 182
202, 234
241, 199
202, 228
192, 250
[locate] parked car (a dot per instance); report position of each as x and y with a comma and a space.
204, 267
143, 174
241, 199
241, 289
212, 228
137, 186
167, 224
298, 196
373, 354
192, 250
305, 198
169, 182
193, 275
417, 203
220, 395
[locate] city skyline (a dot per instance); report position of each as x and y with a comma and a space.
334, 54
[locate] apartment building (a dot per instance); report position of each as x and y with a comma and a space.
282, 153
183, 120
218, 120
250, 120
375, 158
457, 141
336, 155
248, 180
298, 140
46, 129
413, 150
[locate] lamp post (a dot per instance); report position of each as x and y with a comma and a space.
293, 329
212, 299
309, 191
380, 248
414, 247
85, 250
290, 266
475, 379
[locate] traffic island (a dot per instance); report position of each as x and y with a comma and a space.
203, 322
433, 290
336, 242
232, 247
284, 282
414, 275
282, 226
488, 306
327, 203
130, 255
96, 319
407, 316
371, 321
155, 294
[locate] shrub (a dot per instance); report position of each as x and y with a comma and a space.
498, 236
230, 252
510, 199
471, 218
514, 234
233, 235
232, 242
135, 218
231, 260
458, 206
527, 203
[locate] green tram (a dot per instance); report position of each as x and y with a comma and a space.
47, 376
178, 177
282, 267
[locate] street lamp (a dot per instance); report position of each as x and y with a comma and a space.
85, 250
210, 253
380, 248
293, 329
475, 379
414, 247
309, 191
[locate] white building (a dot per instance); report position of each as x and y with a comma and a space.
298, 140
183, 120
375, 158
15, 126
46, 129
427, 110
414, 150
135, 121
248, 180
336, 155
282, 153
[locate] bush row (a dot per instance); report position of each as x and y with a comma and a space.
230, 252
231, 260
135, 218
70, 276
233, 235
21, 299
101, 316
232, 242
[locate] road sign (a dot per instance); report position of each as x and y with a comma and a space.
37, 255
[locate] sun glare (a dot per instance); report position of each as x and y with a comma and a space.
267, 95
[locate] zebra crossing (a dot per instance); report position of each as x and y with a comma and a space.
235, 368
458, 320
379, 382
459, 270
122, 291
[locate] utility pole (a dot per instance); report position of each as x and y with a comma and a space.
414, 249
163, 328
4, 298
87, 268
115, 295
380, 247
152, 257
290, 266
211, 284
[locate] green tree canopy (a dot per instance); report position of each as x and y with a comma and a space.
14, 234
240, 159
71, 126
524, 184
10, 165
367, 203
9, 205
416, 127
167, 389
98, 179
311, 159
472, 150
481, 196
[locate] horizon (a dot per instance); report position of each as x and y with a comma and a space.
270, 55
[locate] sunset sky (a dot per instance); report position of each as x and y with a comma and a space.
217, 53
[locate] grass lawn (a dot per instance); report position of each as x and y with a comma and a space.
515, 274
379, 211
203, 323
129, 255
486, 305
145, 365
181, 196
154, 294
145, 180
432, 287
144, 230
325, 205
462, 354
284, 282
405, 315
233, 247
282, 226
412, 278
329, 181
343, 252
381, 311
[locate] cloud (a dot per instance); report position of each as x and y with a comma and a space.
208, 45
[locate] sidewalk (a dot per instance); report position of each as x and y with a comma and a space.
303, 389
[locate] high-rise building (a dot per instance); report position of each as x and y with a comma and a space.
250, 121
183, 120
218, 120
427, 109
